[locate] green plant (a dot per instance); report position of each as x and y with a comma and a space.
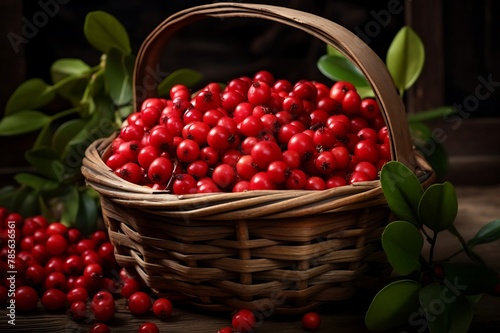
438, 295
97, 99
405, 59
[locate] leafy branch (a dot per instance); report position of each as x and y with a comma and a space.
98, 99
413, 298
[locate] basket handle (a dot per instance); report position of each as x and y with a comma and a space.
346, 42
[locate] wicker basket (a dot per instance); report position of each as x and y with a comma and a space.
270, 251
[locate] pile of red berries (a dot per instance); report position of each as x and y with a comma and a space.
65, 271
256, 133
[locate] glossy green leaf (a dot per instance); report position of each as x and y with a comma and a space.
393, 305
65, 133
86, 219
435, 154
402, 243
405, 58
487, 234
23, 122
36, 182
432, 114
341, 69
66, 67
31, 94
104, 32
46, 161
185, 76
438, 206
436, 304
70, 208
118, 76
469, 279
402, 190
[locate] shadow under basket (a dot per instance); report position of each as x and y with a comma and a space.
279, 252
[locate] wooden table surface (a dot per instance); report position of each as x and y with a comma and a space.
477, 206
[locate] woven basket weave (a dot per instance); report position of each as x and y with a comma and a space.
271, 251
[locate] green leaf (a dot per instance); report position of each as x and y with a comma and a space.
420, 131
23, 122
36, 182
393, 305
474, 257
26, 202
104, 32
118, 76
402, 190
438, 206
125, 111
365, 92
46, 161
44, 136
101, 124
7, 194
65, 133
71, 77
330, 50
436, 308
469, 279
402, 243
432, 114
487, 234
70, 208
185, 76
31, 94
341, 69
461, 315
86, 219
405, 58
66, 67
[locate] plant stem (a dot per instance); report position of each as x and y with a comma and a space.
454, 255
64, 113
433, 244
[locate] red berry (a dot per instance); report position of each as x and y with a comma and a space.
162, 308
99, 328
259, 93
103, 306
265, 152
56, 244
148, 328
26, 298
261, 181
139, 303
78, 310
243, 321
54, 300
311, 321
77, 294
160, 170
